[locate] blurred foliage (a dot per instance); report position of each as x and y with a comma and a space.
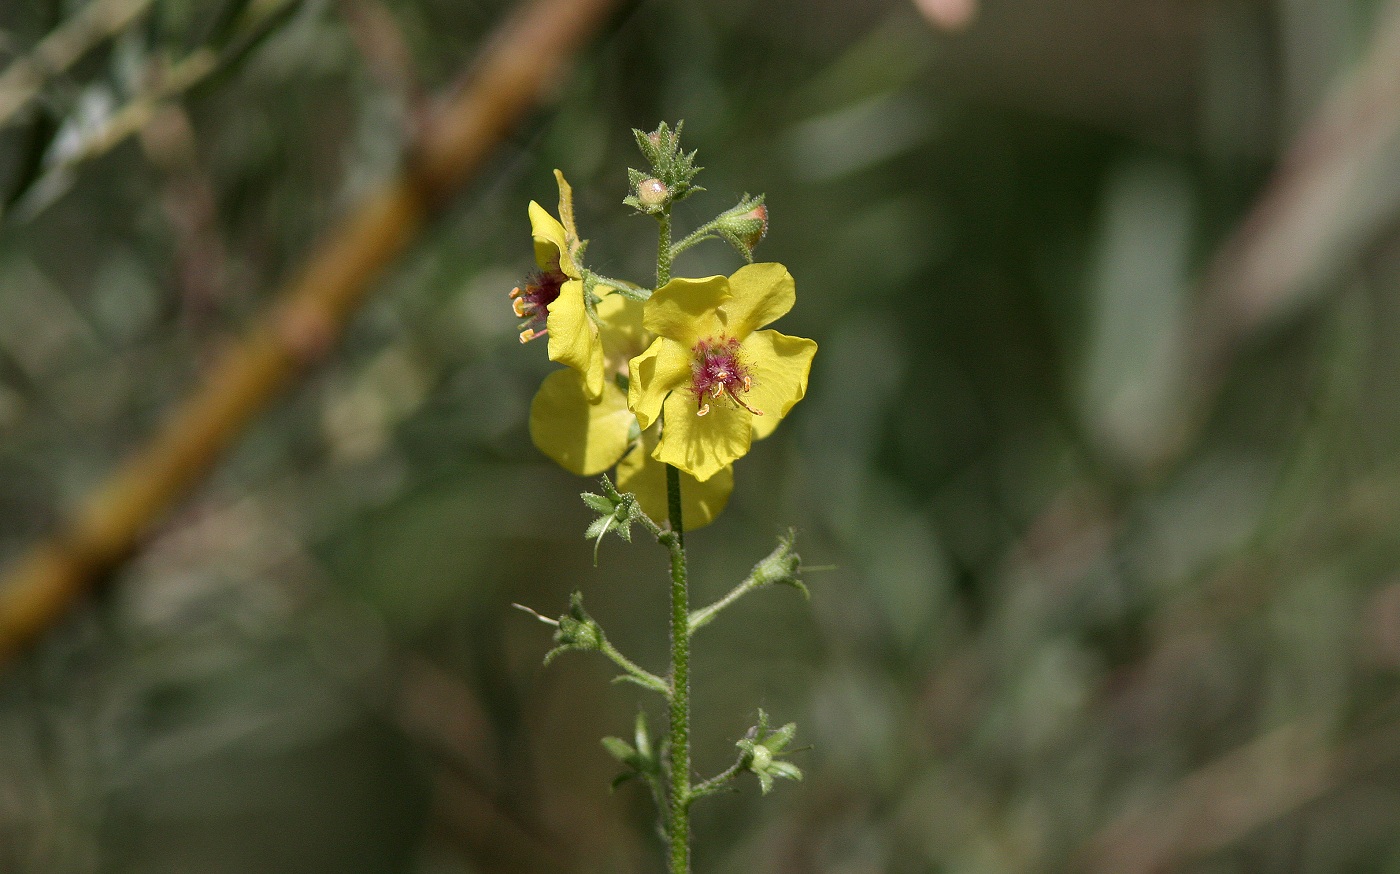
1072, 625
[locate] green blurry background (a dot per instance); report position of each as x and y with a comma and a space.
1101, 442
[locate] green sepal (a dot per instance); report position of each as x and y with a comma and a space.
620, 749
576, 632
743, 225
782, 566
616, 512
669, 163
637, 294
760, 749
785, 770
597, 503
765, 781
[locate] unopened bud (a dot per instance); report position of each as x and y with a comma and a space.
781, 567
744, 227
652, 193
762, 758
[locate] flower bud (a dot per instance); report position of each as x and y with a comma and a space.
762, 758
576, 630
652, 194
781, 567
744, 225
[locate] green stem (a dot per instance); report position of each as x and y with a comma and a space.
664, 252
678, 811
635, 671
717, 782
699, 235
704, 615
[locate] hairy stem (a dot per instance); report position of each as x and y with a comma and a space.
678, 812
717, 782
664, 252
637, 672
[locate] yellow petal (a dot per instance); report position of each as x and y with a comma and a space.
687, 310
657, 372
573, 337
566, 217
759, 294
702, 446
778, 365
645, 477
551, 242
621, 331
585, 437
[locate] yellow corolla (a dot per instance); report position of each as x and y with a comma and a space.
587, 437
552, 301
584, 432
720, 381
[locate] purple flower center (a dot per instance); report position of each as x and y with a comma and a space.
717, 371
531, 303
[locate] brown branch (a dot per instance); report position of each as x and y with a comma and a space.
521, 62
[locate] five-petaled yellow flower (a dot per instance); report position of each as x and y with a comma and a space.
552, 302
720, 381
587, 436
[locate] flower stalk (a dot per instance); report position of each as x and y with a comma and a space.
678, 811
669, 385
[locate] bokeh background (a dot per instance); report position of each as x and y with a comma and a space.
1100, 454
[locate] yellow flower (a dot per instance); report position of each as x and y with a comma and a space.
719, 380
587, 437
553, 300
588, 434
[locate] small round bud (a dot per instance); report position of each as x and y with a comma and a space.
762, 758
652, 193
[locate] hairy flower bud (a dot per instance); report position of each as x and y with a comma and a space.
652, 194
744, 225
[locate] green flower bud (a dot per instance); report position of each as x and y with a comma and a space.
744, 225
782, 566
762, 758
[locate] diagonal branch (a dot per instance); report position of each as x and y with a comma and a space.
99, 21
523, 59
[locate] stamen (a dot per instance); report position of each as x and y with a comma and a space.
518, 305
704, 408
741, 403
